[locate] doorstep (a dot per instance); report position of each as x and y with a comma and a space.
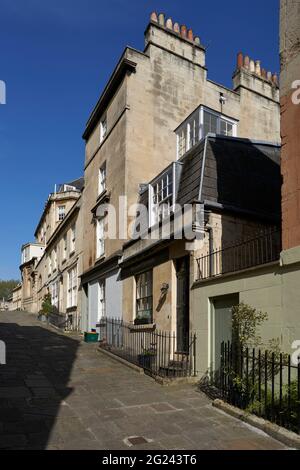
164, 381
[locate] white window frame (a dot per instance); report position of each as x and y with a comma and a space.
100, 243
144, 294
72, 287
198, 117
102, 179
103, 128
55, 294
154, 213
73, 238
61, 214
101, 299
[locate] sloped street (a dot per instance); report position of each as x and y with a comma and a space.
57, 392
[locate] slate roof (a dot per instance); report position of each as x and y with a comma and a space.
78, 183
236, 174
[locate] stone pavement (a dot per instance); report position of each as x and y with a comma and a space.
57, 392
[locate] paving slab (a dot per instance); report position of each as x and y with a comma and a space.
57, 392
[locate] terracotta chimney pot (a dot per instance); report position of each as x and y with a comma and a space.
183, 31
247, 62
190, 35
240, 60
153, 17
176, 28
169, 24
257, 67
275, 79
161, 19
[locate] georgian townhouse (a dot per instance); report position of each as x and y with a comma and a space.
30, 254
52, 263
233, 186
130, 139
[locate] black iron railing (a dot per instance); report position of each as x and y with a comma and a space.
262, 249
62, 321
149, 348
264, 383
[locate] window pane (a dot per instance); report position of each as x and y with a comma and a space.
144, 296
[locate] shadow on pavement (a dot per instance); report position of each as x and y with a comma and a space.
33, 384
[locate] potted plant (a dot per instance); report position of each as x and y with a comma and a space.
143, 320
147, 358
47, 307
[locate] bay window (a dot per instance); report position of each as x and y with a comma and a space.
162, 195
202, 122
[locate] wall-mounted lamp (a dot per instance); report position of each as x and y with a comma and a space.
223, 98
164, 288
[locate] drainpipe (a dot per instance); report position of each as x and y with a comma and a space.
209, 229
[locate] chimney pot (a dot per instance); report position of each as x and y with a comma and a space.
197, 40
264, 73
190, 35
252, 66
240, 60
153, 17
247, 62
161, 19
269, 76
176, 28
183, 31
169, 24
275, 79
257, 67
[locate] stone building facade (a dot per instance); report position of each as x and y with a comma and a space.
52, 265
130, 139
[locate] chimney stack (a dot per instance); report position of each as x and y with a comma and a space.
190, 47
250, 75
254, 67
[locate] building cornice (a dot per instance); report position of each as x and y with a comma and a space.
124, 65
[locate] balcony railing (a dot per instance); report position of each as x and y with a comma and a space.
256, 251
155, 351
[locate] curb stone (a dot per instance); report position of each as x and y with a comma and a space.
283, 435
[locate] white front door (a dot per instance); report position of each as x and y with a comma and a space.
93, 305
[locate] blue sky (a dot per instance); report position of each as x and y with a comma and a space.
56, 56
